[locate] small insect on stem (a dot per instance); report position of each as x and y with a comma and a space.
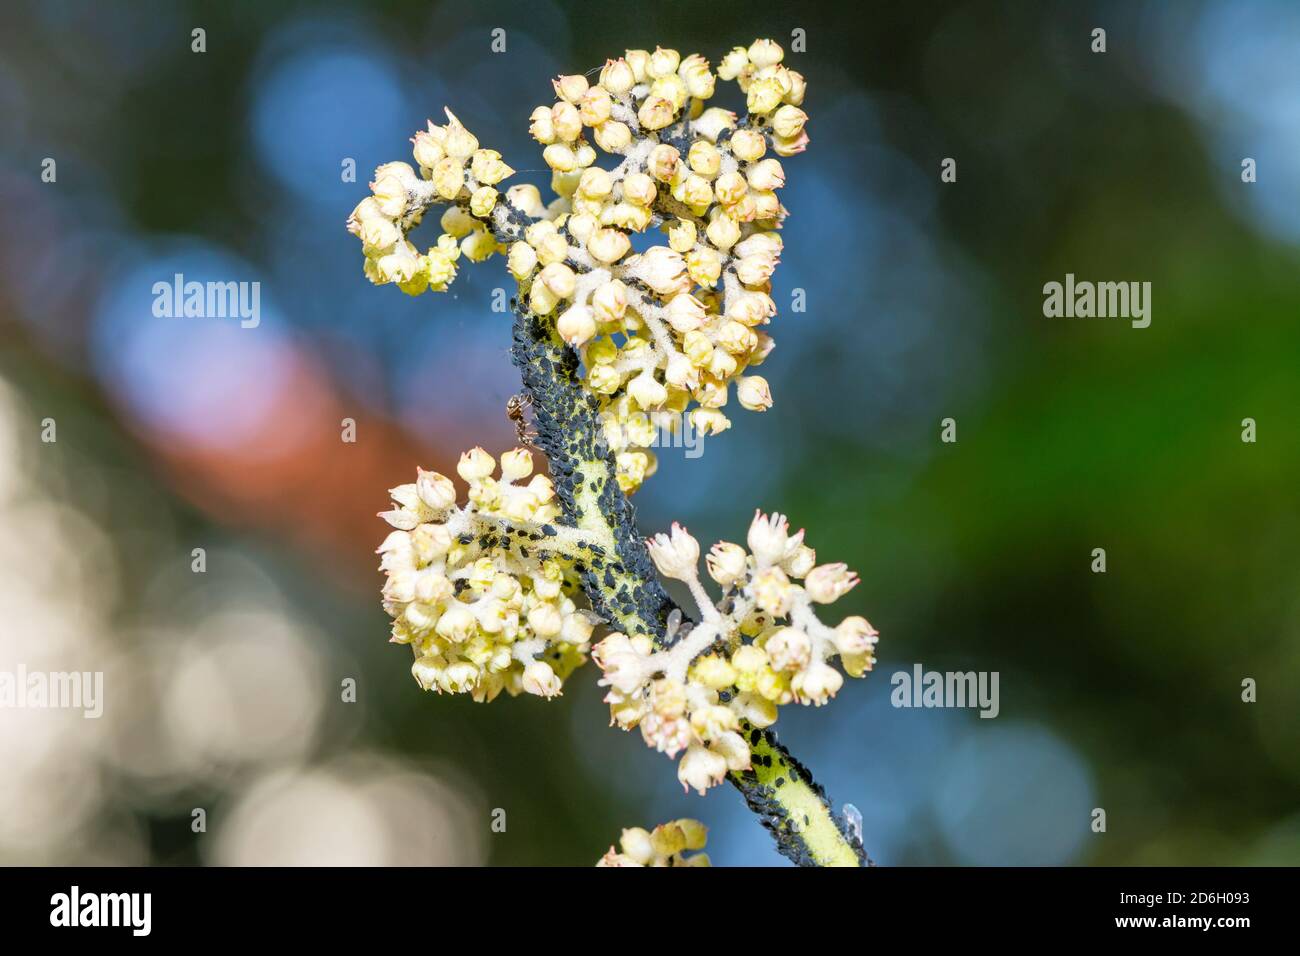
515, 408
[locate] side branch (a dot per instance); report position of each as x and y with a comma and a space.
624, 588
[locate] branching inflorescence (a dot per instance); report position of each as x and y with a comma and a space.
614, 344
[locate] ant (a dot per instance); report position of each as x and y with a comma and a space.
515, 408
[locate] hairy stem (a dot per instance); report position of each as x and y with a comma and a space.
624, 588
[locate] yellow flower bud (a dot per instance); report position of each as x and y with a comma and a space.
612, 136
747, 145
448, 177
482, 200
570, 87
753, 393
617, 77
655, 113
639, 188
662, 163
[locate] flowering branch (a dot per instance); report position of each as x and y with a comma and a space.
609, 344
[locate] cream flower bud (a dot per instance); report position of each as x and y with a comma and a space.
595, 106
487, 167
435, 490
545, 620
753, 393
730, 188
647, 390
637, 844
704, 265
448, 177
516, 463
723, 232
639, 188
756, 709
608, 245
680, 373
624, 665
604, 380
613, 136
699, 79
747, 145
475, 465
704, 158
763, 53
551, 249
727, 563
390, 195
522, 260
431, 541
829, 582
527, 199
755, 270
662, 269
570, 87
799, 562
482, 200
578, 627
426, 671
788, 648
559, 278
457, 624
855, 636
735, 339
617, 77
561, 157
767, 174
662, 162
655, 112
789, 121
733, 63
672, 89
685, 312
751, 308
713, 121
760, 243
426, 150
713, 672
817, 683
681, 235
609, 301
798, 87
767, 538
663, 62
676, 555
764, 96
576, 325
694, 190
638, 60
540, 680
541, 127
459, 143
701, 768
733, 749
595, 183
566, 121
791, 146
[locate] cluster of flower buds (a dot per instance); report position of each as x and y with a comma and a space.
485, 603
665, 845
669, 329
762, 646
663, 332
453, 170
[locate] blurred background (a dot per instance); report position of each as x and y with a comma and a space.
223, 689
